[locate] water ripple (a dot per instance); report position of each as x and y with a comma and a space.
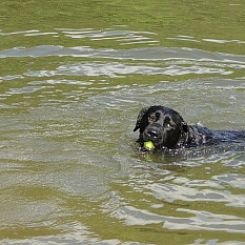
173, 192
200, 220
192, 39
119, 69
233, 180
150, 53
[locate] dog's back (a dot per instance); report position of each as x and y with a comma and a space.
199, 135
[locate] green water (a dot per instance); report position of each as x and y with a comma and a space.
73, 77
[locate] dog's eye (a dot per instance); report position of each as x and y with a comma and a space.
152, 118
167, 125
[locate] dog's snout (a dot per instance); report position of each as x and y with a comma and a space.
153, 132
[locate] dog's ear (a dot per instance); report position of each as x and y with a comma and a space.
184, 126
140, 120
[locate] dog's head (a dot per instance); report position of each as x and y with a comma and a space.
162, 125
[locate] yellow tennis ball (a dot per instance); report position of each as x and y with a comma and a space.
149, 145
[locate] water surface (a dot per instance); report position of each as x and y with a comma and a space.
73, 78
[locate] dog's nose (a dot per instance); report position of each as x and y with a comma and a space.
152, 132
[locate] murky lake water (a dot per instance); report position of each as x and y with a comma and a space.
73, 78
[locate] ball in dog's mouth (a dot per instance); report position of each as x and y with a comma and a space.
148, 145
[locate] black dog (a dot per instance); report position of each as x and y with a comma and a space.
166, 128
